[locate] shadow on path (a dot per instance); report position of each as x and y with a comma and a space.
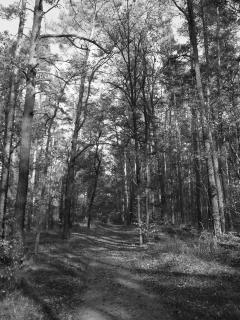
96, 276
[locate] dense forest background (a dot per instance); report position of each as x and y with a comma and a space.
123, 111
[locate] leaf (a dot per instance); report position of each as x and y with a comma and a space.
10, 12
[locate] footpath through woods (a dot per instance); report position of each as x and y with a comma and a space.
103, 274
91, 278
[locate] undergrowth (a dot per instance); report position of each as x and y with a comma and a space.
189, 268
15, 306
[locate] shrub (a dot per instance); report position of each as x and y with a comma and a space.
5, 252
206, 245
16, 306
9, 261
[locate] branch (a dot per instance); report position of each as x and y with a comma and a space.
180, 8
54, 6
75, 15
81, 151
76, 46
74, 36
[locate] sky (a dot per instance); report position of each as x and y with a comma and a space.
12, 25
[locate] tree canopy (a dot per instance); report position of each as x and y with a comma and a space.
123, 111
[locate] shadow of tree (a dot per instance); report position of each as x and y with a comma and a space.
90, 278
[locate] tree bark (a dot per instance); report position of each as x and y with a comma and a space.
79, 122
31, 210
197, 168
206, 122
97, 166
26, 128
126, 189
10, 114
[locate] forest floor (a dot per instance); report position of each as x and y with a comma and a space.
102, 274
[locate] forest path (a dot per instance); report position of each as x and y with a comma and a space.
114, 290
103, 274
91, 277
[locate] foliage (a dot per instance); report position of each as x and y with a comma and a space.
16, 306
137, 101
9, 12
9, 262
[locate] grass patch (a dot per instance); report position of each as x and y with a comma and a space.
15, 306
196, 276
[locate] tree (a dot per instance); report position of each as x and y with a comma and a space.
10, 114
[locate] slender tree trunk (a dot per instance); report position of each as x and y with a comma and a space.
215, 147
146, 113
219, 191
179, 169
26, 128
94, 188
80, 110
204, 112
197, 168
42, 215
139, 216
79, 122
10, 113
126, 188
161, 167
220, 141
31, 210
131, 201
45, 186
62, 200
67, 203
137, 175
147, 195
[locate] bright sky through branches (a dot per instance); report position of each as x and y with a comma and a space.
12, 25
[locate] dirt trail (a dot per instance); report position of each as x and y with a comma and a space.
114, 291
91, 278
103, 274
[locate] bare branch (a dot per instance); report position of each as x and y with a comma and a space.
82, 150
76, 46
54, 6
180, 8
73, 37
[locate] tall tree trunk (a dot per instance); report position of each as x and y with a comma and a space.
146, 112
26, 128
31, 210
97, 166
42, 215
215, 146
179, 167
206, 122
161, 166
139, 216
137, 173
126, 188
147, 195
220, 141
10, 113
43, 219
79, 120
62, 200
197, 168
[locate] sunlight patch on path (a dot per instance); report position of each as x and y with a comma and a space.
89, 314
93, 315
